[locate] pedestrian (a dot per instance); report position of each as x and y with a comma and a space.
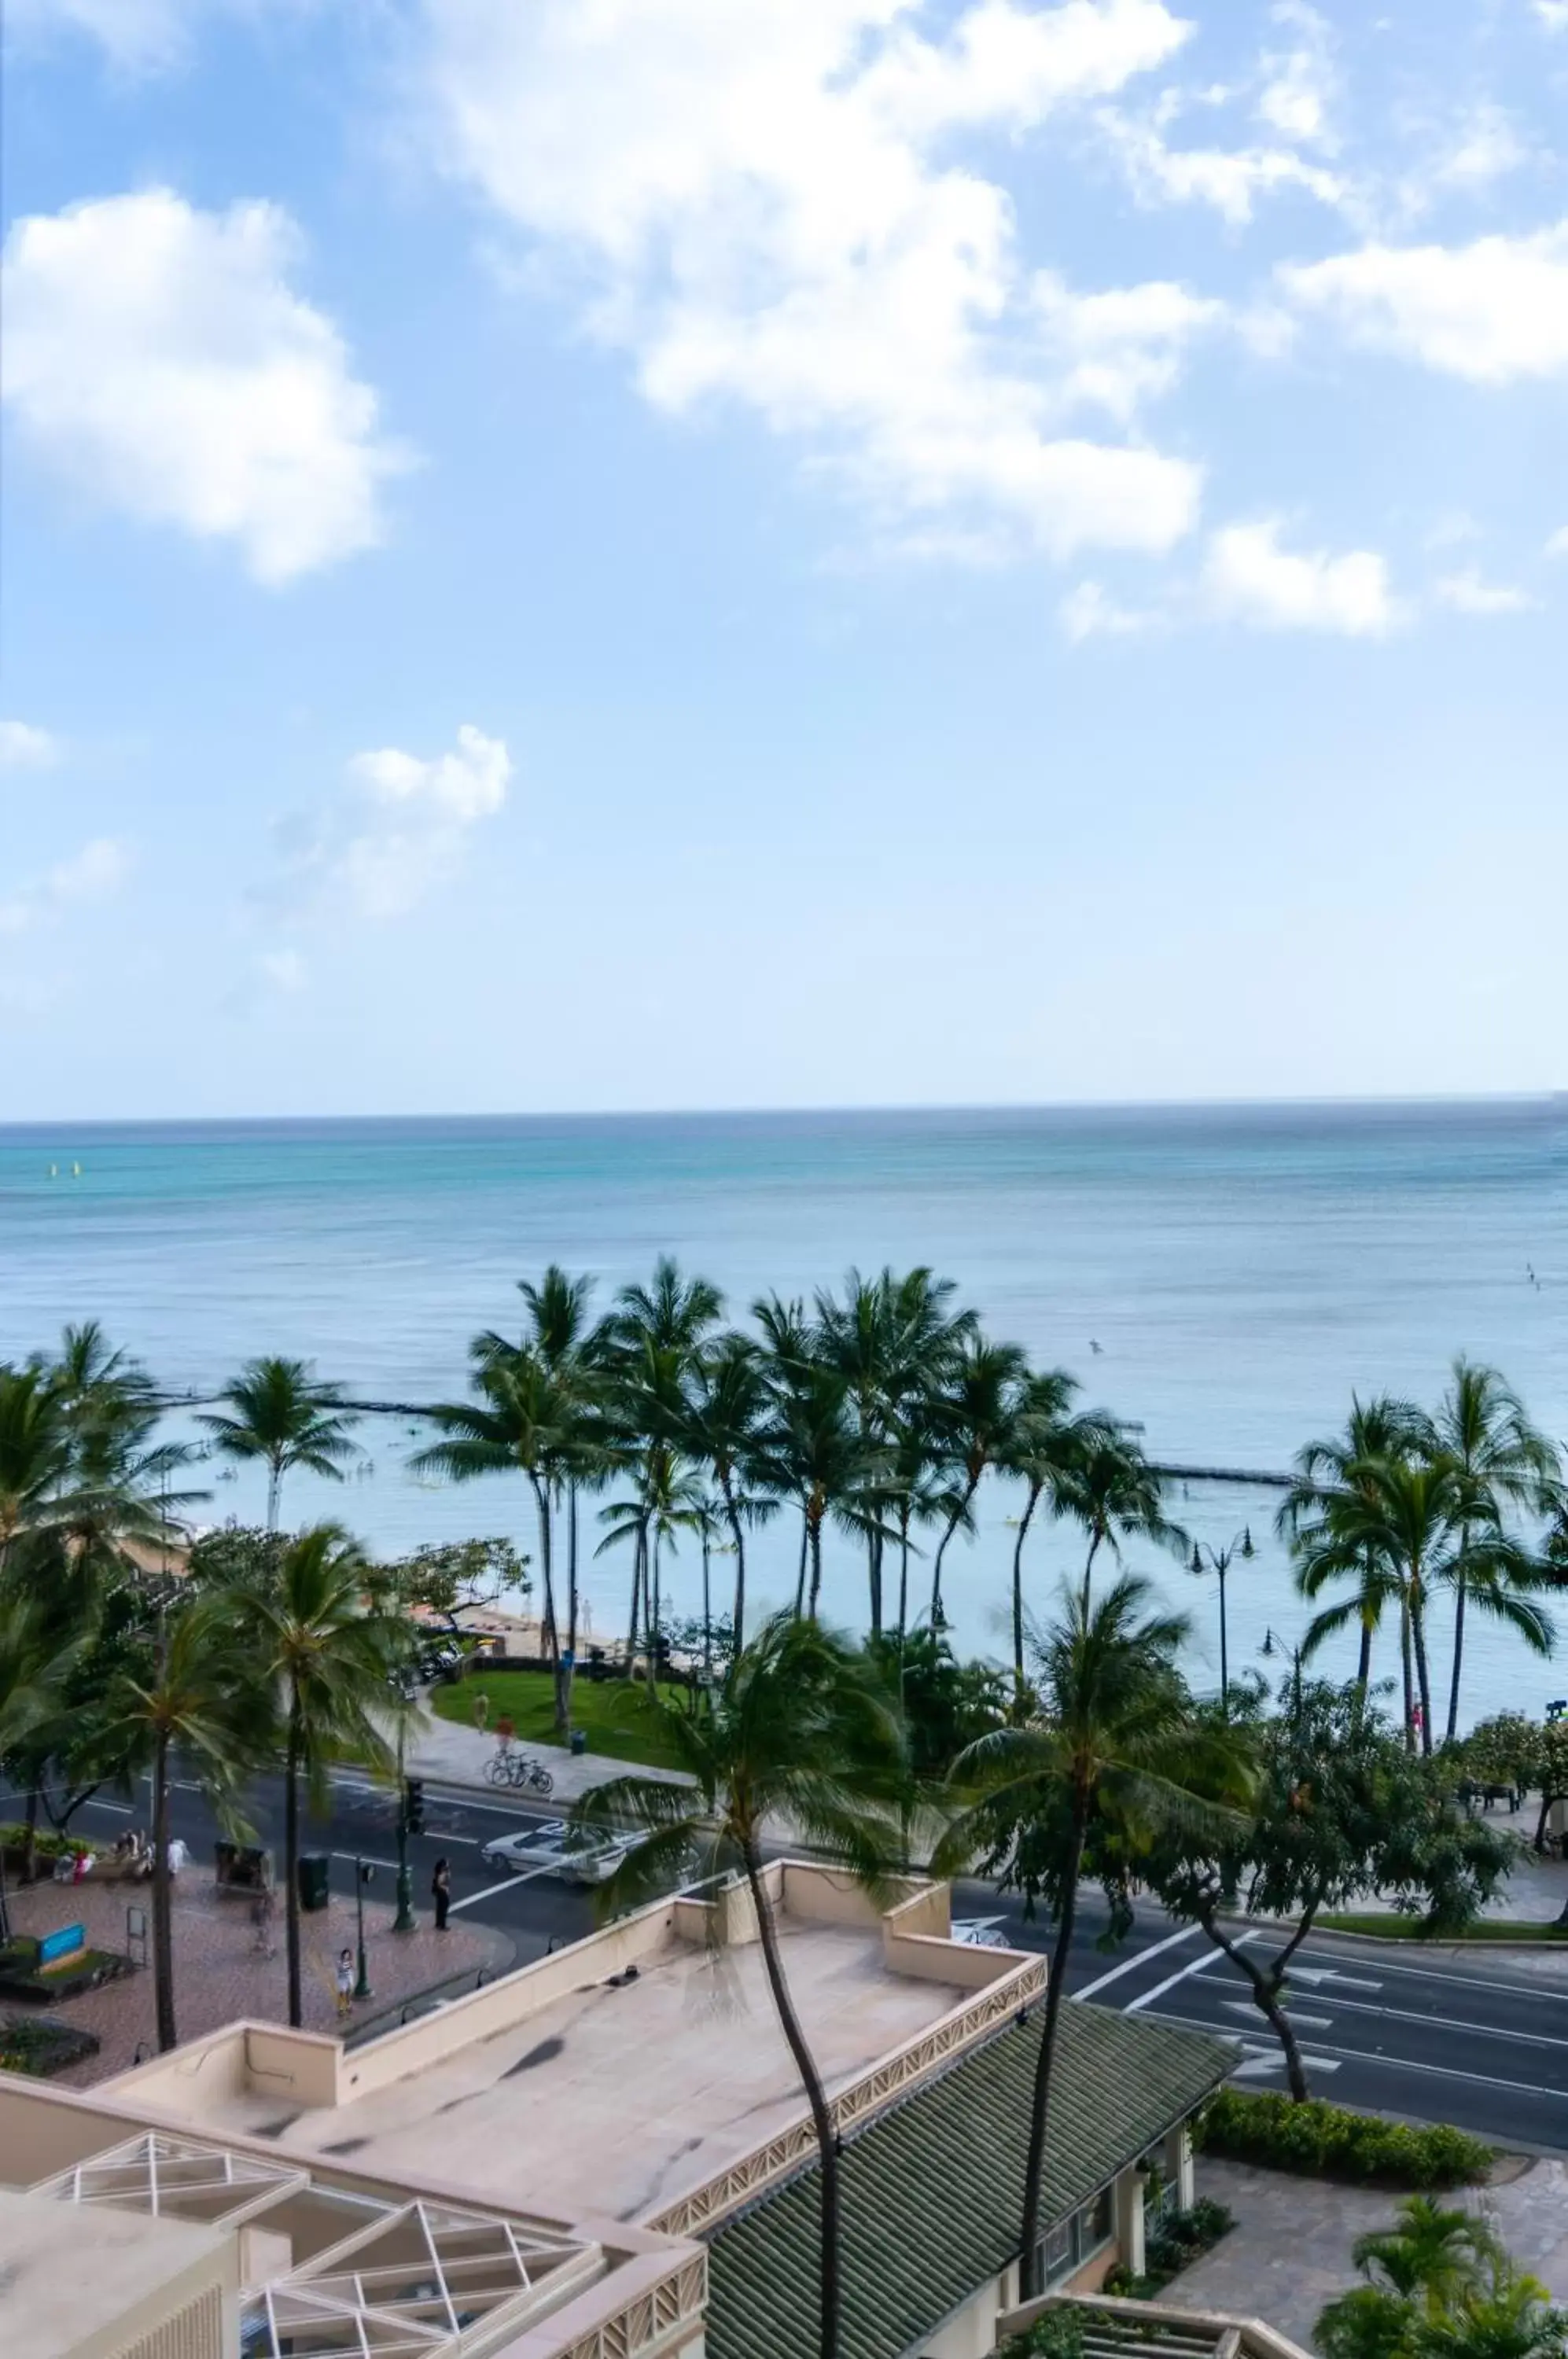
481, 1711
440, 1892
346, 1982
261, 1913
178, 1853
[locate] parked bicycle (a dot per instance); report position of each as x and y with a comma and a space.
519, 1770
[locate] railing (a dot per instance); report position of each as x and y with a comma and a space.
425, 2002
1117, 2328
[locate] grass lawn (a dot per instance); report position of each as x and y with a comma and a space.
613, 1713
1409, 1929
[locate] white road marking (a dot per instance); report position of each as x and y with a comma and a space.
1298, 2022
507, 1884
1260, 2060
1329, 1975
1140, 1956
1397, 2063
1465, 1982
1197, 1966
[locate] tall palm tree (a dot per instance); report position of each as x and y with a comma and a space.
726, 1401
1335, 1476
281, 1414
1113, 1494
819, 1456
1044, 1449
803, 1730
674, 1314
32, 1672
200, 1698
325, 1657
35, 1443
576, 1355
976, 1414
520, 1424
1503, 1463
1117, 1745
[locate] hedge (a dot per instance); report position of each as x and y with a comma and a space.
1329, 2141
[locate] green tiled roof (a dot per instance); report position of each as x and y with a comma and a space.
931, 2190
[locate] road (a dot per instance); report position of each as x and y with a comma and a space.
1466, 2039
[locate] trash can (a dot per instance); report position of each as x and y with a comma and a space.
315, 1869
579, 1740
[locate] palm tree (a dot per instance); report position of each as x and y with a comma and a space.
200, 1698
282, 1415
1434, 2255
324, 1659
725, 1403
816, 1452
801, 1731
1334, 1478
576, 1355
1043, 1449
673, 1314
32, 1670
1116, 1745
1503, 1463
35, 1458
521, 1423
1113, 1492
974, 1414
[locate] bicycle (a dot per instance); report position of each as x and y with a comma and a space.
517, 1769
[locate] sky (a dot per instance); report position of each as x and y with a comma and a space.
656, 553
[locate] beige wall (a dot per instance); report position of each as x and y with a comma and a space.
43, 2131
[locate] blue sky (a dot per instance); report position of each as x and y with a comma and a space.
637, 553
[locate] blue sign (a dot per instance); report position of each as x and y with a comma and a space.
53, 1946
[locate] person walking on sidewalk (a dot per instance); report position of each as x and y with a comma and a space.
346, 1982
440, 1892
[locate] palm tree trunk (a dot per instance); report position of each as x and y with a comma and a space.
164, 1912
875, 1578
903, 1580
640, 1543
1405, 1672
655, 1620
550, 1629
274, 1492
1024, 1522
1040, 2102
816, 2098
568, 1661
291, 1865
732, 1515
707, 1605
816, 1532
1418, 1640
1096, 1537
801, 1569
1460, 1585
952, 1523
1363, 1659
30, 1838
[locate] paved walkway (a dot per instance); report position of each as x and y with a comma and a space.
218, 1973
1289, 2251
453, 1756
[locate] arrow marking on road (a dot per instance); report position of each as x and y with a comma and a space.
1299, 2022
1328, 1974
1260, 2060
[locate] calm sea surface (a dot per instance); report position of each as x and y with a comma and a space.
1242, 1271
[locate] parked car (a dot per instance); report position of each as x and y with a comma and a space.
981, 1932
553, 1847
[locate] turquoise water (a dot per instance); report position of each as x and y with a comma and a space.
1242, 1271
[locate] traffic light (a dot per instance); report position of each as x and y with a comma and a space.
414, 1805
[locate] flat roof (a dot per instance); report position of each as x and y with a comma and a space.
624, 2093
51, 2302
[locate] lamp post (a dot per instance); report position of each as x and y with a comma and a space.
1272, 1645
363, 1873
1218, 1562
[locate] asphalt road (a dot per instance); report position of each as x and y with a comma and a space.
1466, 2039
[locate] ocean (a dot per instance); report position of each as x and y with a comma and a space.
1227, 1277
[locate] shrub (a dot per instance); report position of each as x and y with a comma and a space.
1328, 2142
13, 1838
1056, 2334
1173, 2243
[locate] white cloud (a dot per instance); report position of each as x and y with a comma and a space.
158, 358
1089, 611
1122, 347
1249, 578
1558, 544
751, 203
138, 36
1486, 148
1553, 14
22, 747
93, 873
1493, 311
1229, 180
1469, 594
284, 969
1300, 84
398, 830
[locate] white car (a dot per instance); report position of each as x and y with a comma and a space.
980, 1932
553, 1847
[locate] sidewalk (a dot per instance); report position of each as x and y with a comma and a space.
450, 1754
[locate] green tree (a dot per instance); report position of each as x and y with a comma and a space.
1434, 2255
322, 1657
726, 1404
577, 1354
975, 1415
1340, 1808
32, 1668
1111, 1491
1045, 1449
1321, 1518
35, 1459
1501, 1463
199, 1698
279, 1412
814, 1448
803, 1731
1116, 1753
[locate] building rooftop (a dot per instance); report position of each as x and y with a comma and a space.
622, 2094
931, 2191
50, 2303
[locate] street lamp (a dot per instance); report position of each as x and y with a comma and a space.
364, 1874
1218, 1562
